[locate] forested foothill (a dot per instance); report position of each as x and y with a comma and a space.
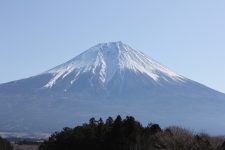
129, 134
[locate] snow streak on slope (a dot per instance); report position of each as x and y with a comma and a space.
108, 58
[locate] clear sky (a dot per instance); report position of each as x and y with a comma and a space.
188, 36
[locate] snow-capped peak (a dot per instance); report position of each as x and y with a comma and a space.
106, 59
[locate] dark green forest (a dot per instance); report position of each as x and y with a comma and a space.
129, 134
5, 145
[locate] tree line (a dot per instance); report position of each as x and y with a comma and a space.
129, 134
5, 145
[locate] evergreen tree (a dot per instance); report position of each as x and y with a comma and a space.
5, 145
127, 134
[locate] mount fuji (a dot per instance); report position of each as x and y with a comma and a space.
106, 80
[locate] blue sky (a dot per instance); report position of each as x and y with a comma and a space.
186, 36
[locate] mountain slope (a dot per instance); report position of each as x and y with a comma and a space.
107, 59
109, 79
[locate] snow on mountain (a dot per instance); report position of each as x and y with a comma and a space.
106, 80
108, 58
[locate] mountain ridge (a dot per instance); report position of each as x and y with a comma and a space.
106, 80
